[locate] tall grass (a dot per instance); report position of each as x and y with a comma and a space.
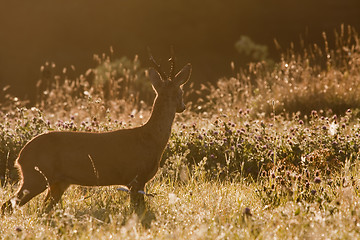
118, 85
199, 209
321, 77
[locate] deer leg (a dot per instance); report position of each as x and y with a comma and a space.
53, 196
137, 200
26, 192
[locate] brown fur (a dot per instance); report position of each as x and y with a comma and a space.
129, 157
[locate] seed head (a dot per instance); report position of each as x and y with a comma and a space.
247, 211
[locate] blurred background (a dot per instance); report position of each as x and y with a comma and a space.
208, 33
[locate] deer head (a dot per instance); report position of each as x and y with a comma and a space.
169, 86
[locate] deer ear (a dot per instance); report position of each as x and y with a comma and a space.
155, 79
183, 75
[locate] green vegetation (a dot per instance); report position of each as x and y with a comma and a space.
272, 152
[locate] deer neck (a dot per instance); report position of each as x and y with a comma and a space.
161, 120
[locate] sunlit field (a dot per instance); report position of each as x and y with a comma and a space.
271, 152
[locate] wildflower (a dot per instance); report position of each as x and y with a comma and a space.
301, 122
282, 182
314, 114
317, 180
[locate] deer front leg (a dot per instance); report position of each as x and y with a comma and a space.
137, 200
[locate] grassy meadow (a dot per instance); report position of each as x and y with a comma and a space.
272, 152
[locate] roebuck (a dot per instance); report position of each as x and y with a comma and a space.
129, 157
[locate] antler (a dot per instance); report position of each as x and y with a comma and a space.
172, 64
157, 66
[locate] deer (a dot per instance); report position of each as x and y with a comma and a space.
131, 157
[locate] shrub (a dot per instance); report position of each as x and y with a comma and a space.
240, 145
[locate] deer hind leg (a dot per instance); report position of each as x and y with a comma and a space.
31, 186
54, 193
